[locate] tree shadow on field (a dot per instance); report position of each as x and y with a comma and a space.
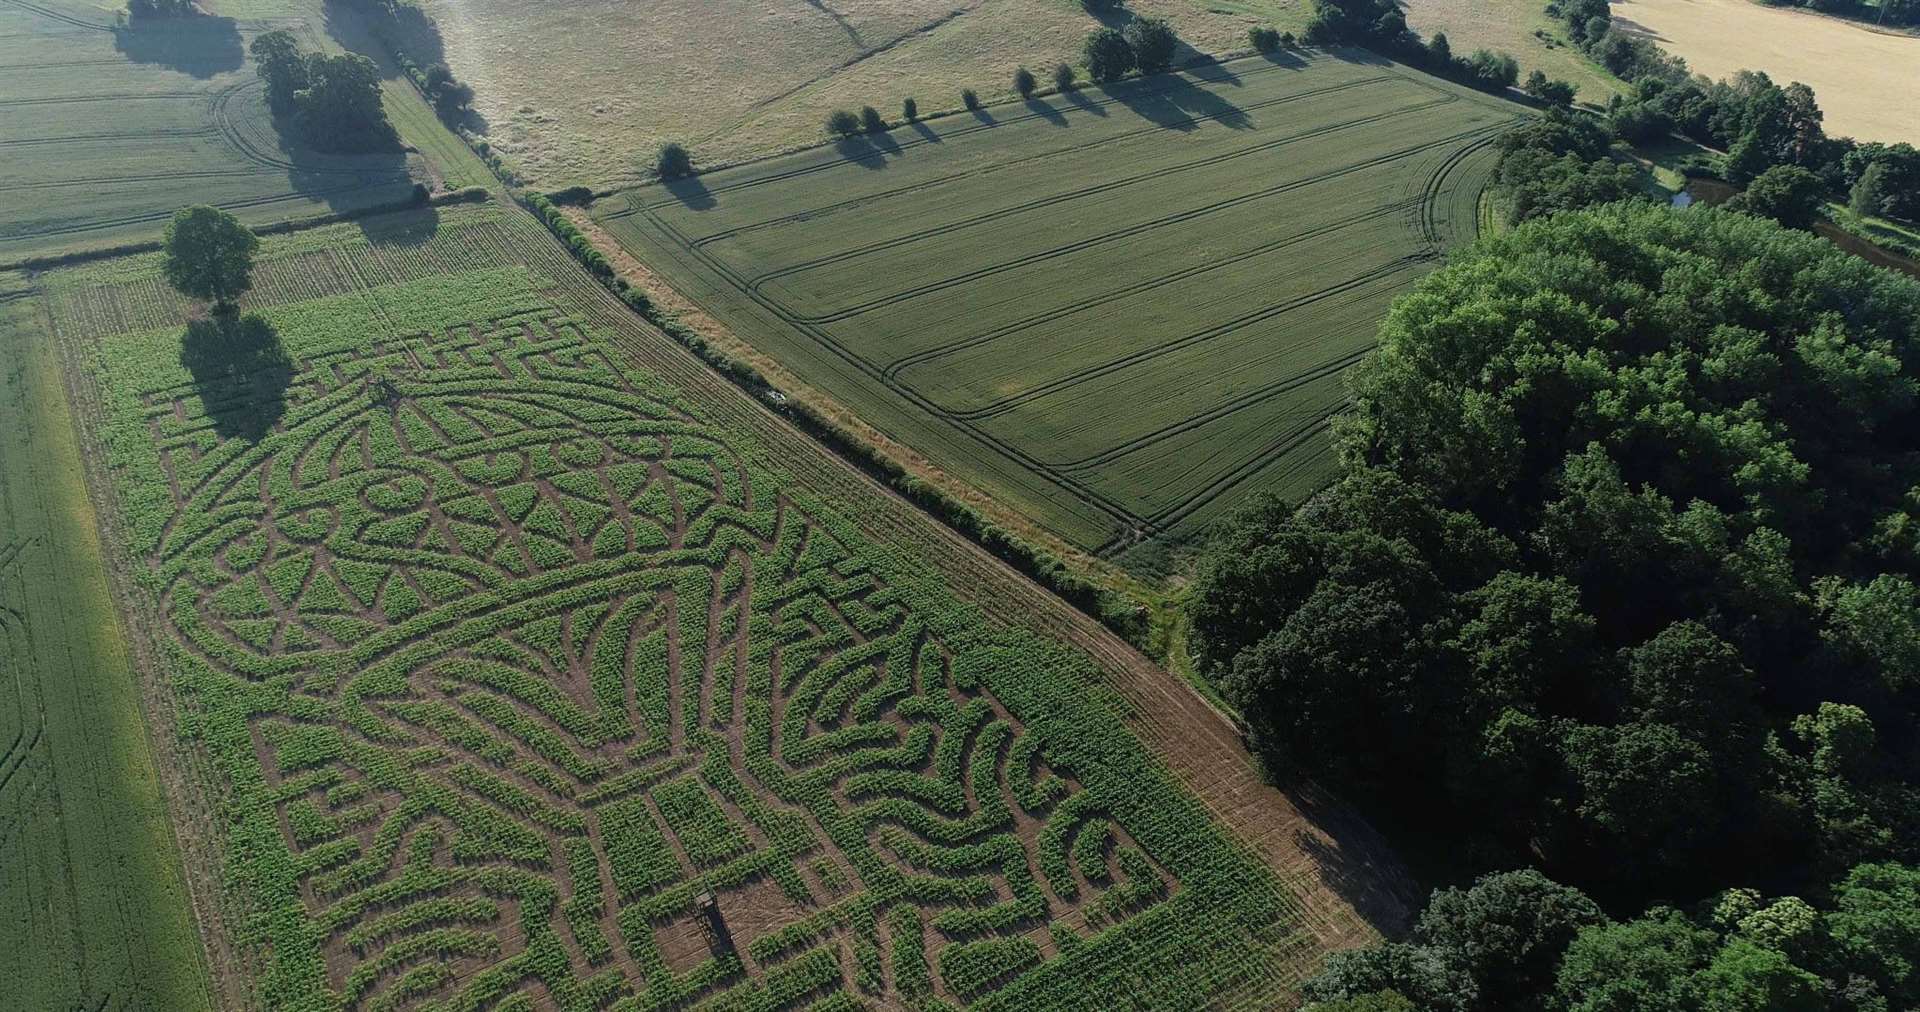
1175, 103
1046, 112
861, 152
1285, 58
689, 190
240, 371
198, 45
1353, 861
406, 228
926, 132
883, 142
1083, 103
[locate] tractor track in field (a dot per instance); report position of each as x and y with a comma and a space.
1124, 362
824, 210
893, 370
947, 229
1422, 202
125, 135
56, 15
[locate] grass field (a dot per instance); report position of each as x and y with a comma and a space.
584, 92
510, 632
1520, 27
1120, 311
93, 910
106, 130
1855, 71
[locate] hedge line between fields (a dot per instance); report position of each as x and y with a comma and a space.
1112, 608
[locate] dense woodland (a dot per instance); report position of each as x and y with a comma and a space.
1619, 578
1618, 582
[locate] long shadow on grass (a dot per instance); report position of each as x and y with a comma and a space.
1083, 103
691, 192
241, 372
1178, 104
198, 45
861, 152
1046, 112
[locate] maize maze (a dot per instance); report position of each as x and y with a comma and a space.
534, 687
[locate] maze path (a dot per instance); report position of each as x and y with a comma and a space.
555, 673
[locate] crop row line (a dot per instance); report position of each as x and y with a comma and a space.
947, 229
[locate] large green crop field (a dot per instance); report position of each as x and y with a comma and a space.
1119, 310
105, 129
532, 673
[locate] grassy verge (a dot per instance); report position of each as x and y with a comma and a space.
95, 908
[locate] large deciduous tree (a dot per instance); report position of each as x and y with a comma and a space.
209, 255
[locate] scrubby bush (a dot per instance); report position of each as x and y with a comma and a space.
842, 123
673, 161
871, 121
910, 110
969, 99
1153, 44
1064, 77
1024, 83
1264, 40
1788, 194
1107, 55
1552, 92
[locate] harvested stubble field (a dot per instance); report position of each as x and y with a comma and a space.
105, 129
1119, 310
510, 632
583, 92
1858, 72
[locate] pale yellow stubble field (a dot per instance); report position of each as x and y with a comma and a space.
1868, 82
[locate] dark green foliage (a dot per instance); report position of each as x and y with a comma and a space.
209, 255
1890, 174
1064, 77
673, 161
871, 121
910, 110
841, 123
970, 99
1870, 195
1559, 162
1153, 44
1024, 83
1492, 71
1553, 92
1107, 55
1788, 194
340, 110
1627, 497
278, 61
1520, 942
1263, 39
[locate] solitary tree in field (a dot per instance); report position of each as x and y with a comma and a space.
1063, 77
1108, 56
1153, 42
871, 121
909, 110
969, 98
1024, 83
209, 255
673, 161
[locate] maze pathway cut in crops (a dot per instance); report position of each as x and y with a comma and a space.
1119, 309
538, 689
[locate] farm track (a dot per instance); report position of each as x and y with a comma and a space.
56, 15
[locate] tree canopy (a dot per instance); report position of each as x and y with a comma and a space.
209, 255
1622, 560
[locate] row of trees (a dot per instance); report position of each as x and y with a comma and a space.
1621, 576
1880, 12
1381, 25
333, 102
1146, 45
1519, 942
1758, 123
